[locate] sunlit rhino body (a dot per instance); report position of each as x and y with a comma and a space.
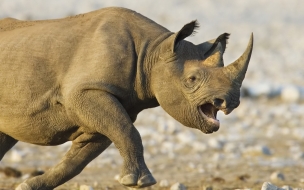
85, 78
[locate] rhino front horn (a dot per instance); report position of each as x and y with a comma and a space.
236, 71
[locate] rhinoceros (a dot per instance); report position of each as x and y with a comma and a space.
85, 78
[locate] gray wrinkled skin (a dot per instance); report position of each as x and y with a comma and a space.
85, 78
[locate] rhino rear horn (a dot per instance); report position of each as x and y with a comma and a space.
221, 39
236, 71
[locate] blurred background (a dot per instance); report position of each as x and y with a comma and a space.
265, 134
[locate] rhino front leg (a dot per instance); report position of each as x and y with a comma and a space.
84, 149
102, 112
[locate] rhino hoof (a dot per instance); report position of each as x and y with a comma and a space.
146, 181
23, 186
129, 180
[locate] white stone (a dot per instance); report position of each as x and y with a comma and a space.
16, 155
95, 184
207, 187
231, 147
25, 176
164, 183
290, 93
218, 157
145, 131
277, 176
117, 177
178, 186
167, 126
85, 187
298, 155
215, 143
261, 89
186, 137
199, 146
286, 187
269, 186
167, 147
258, 149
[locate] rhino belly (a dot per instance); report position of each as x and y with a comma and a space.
42, 129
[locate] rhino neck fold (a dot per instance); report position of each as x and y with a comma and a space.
148, 55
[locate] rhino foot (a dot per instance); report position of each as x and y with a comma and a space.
131, 180
23, 186
146, 181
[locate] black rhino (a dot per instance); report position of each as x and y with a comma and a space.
85, 78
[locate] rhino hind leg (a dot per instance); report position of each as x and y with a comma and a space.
6, 143
83, 150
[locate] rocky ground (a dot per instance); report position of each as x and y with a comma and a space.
262, 140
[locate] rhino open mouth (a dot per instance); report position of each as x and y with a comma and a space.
209, 112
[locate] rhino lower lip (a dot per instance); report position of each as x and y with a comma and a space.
209, 112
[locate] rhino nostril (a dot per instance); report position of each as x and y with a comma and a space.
218, 102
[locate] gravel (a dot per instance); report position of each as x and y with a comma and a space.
178, 186
277, 176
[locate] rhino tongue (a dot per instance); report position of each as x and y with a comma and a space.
209, 110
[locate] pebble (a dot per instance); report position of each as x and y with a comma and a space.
164, 183
95, 184
269, 186
16, 155
75, 185
231, 147
298, 155
259, 90
85, 187
25, 176
186, 137
167, 126
277, 176
207, 187
117, 177
290, 94
167, 147
216, 143
178, 186
286, 187
199, 146
258, 149
218, 157
12, 172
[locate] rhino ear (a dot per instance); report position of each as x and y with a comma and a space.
170, 44
187, 30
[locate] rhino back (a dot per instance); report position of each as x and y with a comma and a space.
41, 62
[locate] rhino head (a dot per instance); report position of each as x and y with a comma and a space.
191, 83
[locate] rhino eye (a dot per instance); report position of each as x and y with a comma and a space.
191, 81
